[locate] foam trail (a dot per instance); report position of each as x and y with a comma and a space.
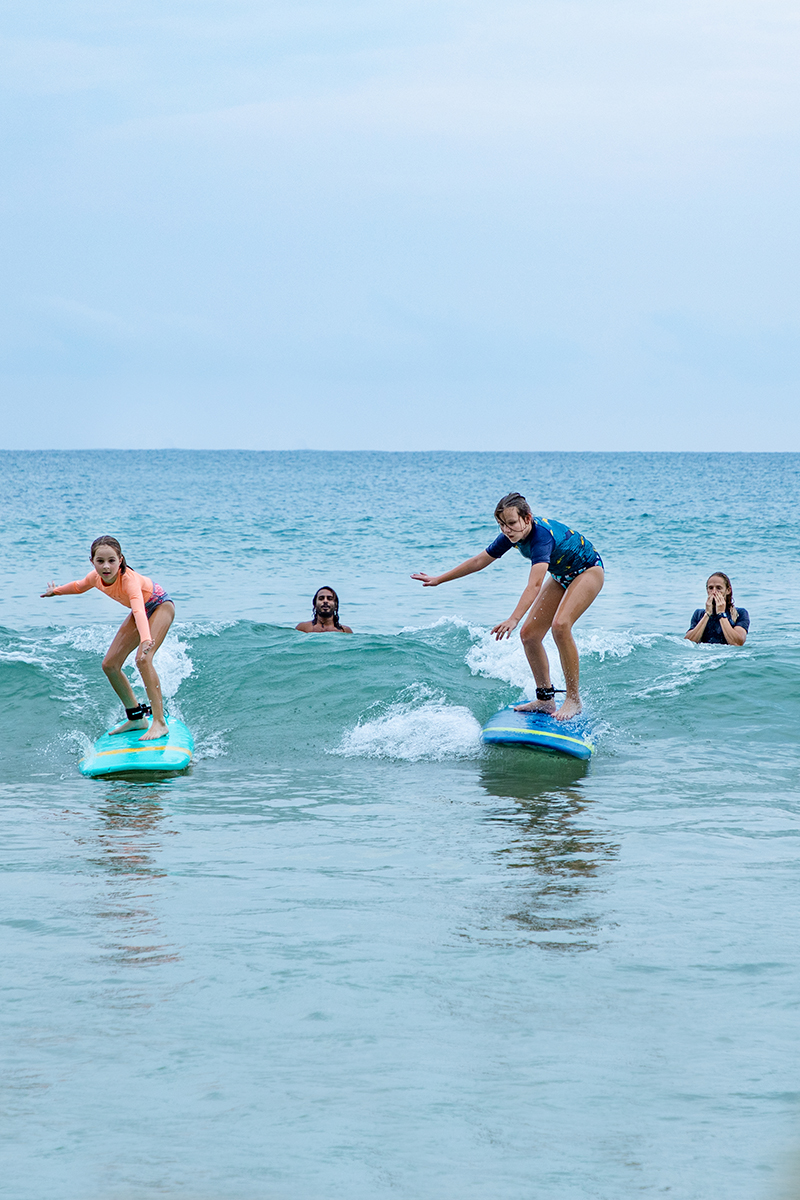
424, 727
668, 685
211, 745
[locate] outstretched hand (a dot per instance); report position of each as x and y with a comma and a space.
50, 590
425, 580
505, 628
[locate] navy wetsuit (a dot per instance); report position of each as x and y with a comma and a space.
566, 552
713, 630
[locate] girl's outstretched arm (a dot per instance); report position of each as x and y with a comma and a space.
71, 589
469, 567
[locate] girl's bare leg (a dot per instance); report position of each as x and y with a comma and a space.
532, 634
160, 622
577, 598
125, 640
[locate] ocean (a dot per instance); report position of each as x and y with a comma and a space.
353, 953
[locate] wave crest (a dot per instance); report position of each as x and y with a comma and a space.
420, 727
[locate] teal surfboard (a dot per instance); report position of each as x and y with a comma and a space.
123, 753
540, 731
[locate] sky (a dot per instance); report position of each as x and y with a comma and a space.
400, 225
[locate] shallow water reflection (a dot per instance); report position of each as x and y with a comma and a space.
559, 854
129, 839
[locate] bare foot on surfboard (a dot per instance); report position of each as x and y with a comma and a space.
568, 710
543, 706
127, 726
157, 730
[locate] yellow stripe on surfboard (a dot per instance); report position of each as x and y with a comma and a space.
141, 750
542, 732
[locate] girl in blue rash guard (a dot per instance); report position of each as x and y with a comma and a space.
555, 600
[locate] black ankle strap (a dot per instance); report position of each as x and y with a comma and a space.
136, 714
547, 693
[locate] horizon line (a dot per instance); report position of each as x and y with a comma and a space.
315, 450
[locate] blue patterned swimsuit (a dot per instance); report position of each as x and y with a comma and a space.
567, 553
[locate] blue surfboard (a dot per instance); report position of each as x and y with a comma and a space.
539, 730
123, 753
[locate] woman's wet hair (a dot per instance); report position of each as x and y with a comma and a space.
115, 546
512, 500
315, 618
729, 605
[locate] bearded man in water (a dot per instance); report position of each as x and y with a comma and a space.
326, 614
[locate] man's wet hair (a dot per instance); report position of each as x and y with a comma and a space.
315, 618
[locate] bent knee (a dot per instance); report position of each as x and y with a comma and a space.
562, 629
110, 665
531, 634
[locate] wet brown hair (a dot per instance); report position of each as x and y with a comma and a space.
512, 500
729, 605
115, 546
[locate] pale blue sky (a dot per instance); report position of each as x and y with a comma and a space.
401, 225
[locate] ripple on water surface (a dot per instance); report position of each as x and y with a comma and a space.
352, 952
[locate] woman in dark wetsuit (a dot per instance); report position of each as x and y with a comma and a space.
720, 622
555, 600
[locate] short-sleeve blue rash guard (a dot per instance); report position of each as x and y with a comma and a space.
713, 630
566, 552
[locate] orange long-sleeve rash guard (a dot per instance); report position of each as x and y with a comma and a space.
131, 589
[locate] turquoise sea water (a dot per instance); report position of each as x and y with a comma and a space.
352, 953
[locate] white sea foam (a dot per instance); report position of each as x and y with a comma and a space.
42, 652
193, 629
421, 727
617, 643
441, 622
211, 745
506, 659
682, 676
173, 662
502, 660
33, 657
91, 639
77, 742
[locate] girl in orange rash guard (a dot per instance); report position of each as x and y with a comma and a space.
152, 613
